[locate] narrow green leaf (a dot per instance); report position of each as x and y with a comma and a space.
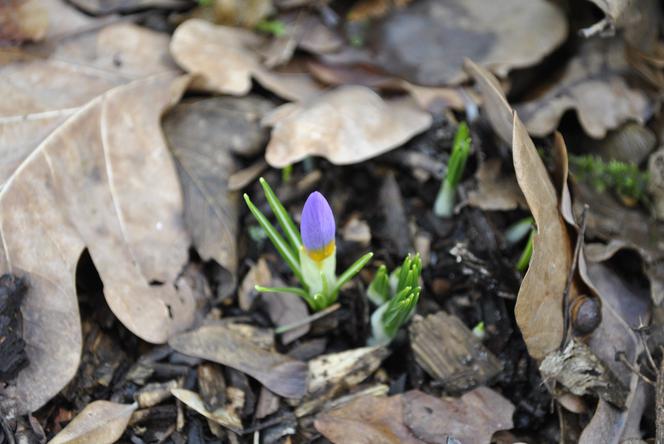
293, 290
284, 219
351, 272
279, 243
527, 253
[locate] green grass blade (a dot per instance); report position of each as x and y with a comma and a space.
279, 243
284, 219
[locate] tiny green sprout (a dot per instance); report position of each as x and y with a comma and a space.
287, 173
205, 3
624, 179
524, 259
396, 296
444, 204
519, 230
275, 27
479, 330
257, 233
310, 252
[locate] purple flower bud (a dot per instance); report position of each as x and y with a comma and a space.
317, 227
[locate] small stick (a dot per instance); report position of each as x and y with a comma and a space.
307, 320
570, 276
659, 405
622, 358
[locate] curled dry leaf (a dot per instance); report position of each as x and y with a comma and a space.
41, 92
105, 7
624, 307
347, 125
498, 111
222, 416
581, 372
348, 368
87, 185
539, 309
499, 35
100, 422
593, 83
225, 59
225, 345
638, 19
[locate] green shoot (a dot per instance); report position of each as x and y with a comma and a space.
444, 204
287, 173
524, 260
275, 27
399, 310
396, 296
479, 330
519, 230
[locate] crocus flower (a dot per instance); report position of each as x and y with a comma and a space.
310, 253
317, 227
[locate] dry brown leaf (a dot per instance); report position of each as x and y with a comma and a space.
624, 228
225, 345
593, 83
539, 310
222, 56
105, 7
203, 135
426, 42
22, 21
416, 418
471, 419
638, 19
496, 191
624, 308
498, 111
367, 420
347, 125
100, 422
41, 92
225, 59
87, 185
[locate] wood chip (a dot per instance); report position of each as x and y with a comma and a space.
448, 351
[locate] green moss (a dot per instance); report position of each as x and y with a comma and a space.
624, 179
